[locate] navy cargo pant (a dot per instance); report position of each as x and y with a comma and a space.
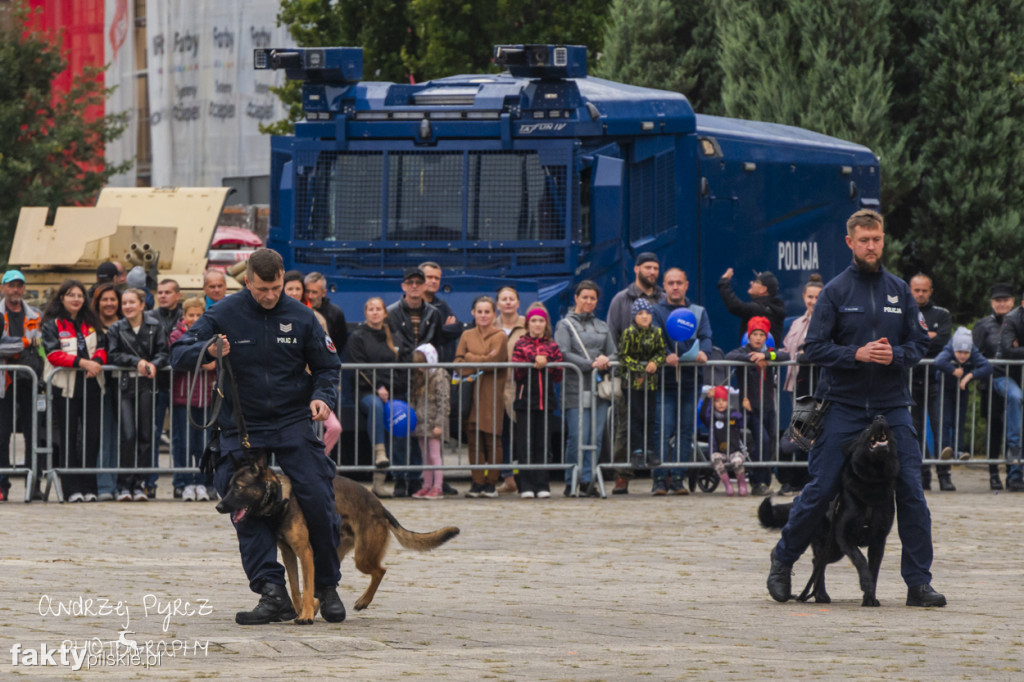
843, 423
300, 454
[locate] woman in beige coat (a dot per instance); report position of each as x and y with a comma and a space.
484, 343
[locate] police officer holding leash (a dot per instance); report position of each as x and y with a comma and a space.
270, 339
866, 333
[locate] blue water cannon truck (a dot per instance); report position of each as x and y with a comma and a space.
543, 176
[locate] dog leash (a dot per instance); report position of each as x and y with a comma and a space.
223, 367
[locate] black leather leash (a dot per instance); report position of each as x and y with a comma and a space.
223, 368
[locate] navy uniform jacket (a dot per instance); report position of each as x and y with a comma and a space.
852, 310
270, 350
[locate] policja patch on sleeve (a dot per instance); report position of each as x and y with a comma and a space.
330, 345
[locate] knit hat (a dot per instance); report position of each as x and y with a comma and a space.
769, 281
640, 304
962, 340
429, 352
536, 311
721, 393
136, 278
759, 324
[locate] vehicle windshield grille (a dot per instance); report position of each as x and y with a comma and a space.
460, 203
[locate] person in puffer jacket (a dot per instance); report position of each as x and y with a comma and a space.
534, 401
430, 395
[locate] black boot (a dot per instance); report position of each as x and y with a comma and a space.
924, 595
780, 580
275, 606
994, 482
331, 607
946, 483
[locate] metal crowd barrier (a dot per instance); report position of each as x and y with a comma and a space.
354, 452
110, 422
404, 451
17, 395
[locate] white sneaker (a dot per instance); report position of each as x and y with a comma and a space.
90, 497
76, 497
527, 495
543, 494
124, 496
188, 494
140, 495
201, 494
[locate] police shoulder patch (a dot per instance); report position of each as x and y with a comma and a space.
330, 345
920, 320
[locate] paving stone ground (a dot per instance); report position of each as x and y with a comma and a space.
562, 589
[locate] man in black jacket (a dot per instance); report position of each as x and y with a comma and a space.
925, 378
316, 292
1011, 347
413, 321
764, 302
452, 329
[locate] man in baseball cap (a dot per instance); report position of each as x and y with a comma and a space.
18, 346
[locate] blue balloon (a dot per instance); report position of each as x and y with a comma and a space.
770, 343
399, 418
681, 325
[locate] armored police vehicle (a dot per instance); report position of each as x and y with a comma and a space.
541, 177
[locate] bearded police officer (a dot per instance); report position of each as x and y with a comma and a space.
866, 333
270, 340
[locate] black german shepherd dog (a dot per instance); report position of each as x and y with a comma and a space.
860, 516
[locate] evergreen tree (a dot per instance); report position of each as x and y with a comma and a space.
820, 66
50, 155
667, 45
967, 223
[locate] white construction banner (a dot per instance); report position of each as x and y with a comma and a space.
206, 101
119, 56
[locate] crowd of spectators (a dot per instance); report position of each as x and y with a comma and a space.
114, 421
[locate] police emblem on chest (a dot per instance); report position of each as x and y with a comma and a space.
286, 329
893, 305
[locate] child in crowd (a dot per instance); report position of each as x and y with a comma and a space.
962, 363
725, 438
758, 383
534, 400
138, 342
187, 441
642, 351
430, 395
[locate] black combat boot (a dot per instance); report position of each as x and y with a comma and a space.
331, 607
275, 606
780, 580
924, 595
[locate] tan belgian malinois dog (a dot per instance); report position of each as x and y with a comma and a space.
257, 491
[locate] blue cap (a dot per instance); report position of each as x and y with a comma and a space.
12, 276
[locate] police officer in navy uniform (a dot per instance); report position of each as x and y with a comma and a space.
270, 340
866, 333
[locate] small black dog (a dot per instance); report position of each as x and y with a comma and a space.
861, 515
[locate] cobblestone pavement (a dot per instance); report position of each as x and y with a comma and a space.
634, 586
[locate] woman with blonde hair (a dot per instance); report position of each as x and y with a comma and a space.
371, 344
